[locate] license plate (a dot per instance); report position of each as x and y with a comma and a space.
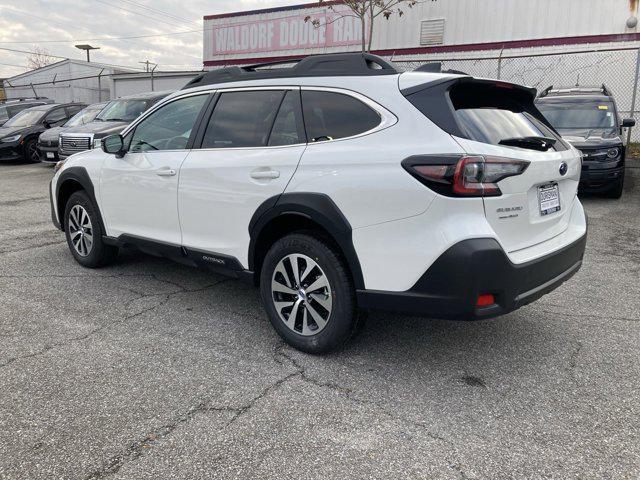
50, 155
549, 198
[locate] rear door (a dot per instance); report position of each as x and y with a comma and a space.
535, 205
250, 148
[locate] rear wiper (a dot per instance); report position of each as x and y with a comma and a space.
532, 143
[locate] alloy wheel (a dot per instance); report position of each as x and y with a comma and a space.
80, 230
301, 294
32, 152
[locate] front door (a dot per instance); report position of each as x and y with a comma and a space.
250, 149
139, 192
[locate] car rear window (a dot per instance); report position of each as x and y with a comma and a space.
485, 112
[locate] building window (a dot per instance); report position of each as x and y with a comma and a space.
432, 32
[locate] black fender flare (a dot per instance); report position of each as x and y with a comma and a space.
81, 176
317, 207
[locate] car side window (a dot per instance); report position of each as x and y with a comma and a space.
285, 128
56, 116
331, 115
169, 127
242, 119
73, 109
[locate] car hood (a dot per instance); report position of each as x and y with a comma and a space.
584, 138
98, 128
51, 135
7, 131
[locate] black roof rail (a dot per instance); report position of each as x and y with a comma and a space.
575, 90
327, 65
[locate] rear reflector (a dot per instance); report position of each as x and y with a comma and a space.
485, 300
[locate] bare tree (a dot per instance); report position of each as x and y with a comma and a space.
40, 57
365, 10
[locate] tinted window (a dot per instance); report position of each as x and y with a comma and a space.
285, 128
73, 109
56, 115
4, 115
329, 115
169, 127
242, 119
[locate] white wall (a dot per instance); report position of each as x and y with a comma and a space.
88, 90
129, 84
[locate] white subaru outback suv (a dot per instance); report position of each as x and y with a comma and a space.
338, 186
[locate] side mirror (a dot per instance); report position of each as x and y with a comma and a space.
628, 123
46, 124
113, 144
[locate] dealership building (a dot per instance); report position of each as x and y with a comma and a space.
443, 28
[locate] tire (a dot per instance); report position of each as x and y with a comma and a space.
331, 313
617, 189
31, 153
84, 233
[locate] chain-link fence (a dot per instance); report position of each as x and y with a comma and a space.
615, 68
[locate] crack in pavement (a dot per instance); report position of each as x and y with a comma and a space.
167, 296
32, 247
138, 447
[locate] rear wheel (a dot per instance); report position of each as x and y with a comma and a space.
308, 294
84, 233
31, 153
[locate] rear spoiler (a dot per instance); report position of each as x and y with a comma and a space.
532, 92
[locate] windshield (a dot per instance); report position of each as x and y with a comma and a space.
577, 116
82, 117
25, 118
122, 110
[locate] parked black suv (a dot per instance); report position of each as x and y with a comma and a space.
587, 117
12, 106
19, 135
112, 119
48, 140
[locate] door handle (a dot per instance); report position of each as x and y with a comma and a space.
165, 172
265, 174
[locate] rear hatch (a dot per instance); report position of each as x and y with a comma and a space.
496, 121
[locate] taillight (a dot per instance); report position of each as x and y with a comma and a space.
464, 176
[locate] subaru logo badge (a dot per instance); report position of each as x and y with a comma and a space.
563, 168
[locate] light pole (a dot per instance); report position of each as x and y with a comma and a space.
87, 48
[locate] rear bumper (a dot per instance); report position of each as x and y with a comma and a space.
451, 286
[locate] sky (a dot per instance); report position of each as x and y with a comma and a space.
58, 25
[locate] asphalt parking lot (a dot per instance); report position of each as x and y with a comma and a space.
148, 369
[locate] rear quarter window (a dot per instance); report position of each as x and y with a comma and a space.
331, 115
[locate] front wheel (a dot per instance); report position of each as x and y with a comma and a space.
31, 153
84, 233
308, 294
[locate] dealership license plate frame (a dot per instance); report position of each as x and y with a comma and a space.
549, 205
